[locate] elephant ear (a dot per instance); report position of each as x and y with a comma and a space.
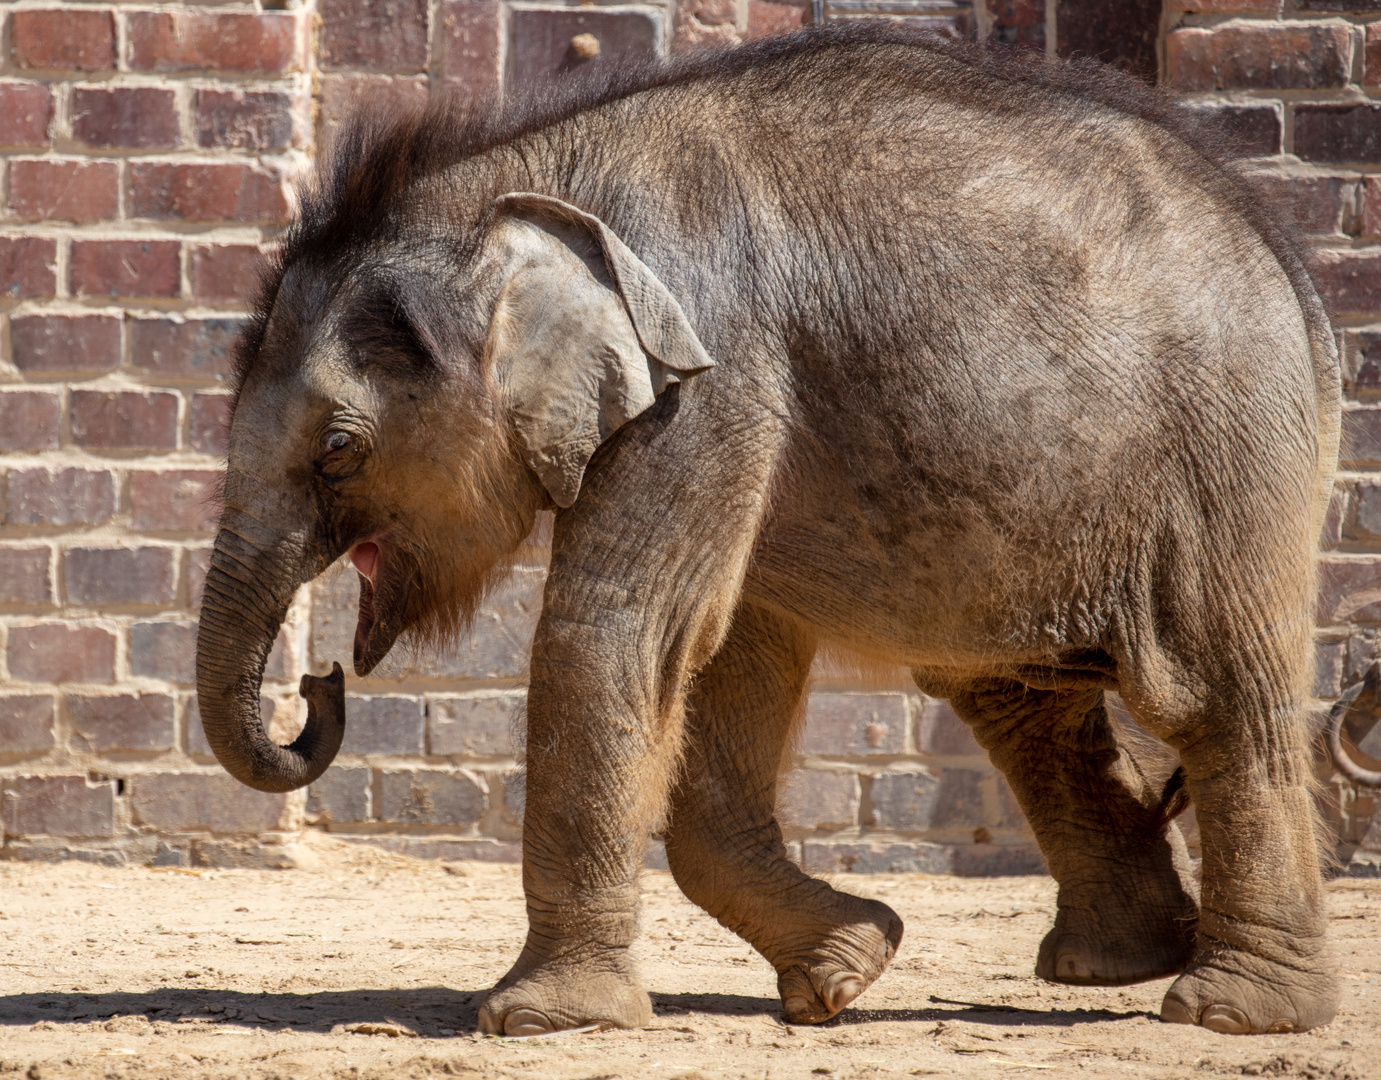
583, 339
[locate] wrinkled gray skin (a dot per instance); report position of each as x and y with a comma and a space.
847, 342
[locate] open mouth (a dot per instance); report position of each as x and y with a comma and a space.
368, 558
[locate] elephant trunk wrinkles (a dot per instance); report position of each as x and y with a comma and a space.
248, 590
1333, 731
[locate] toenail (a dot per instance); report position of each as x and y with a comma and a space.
1226, 1020
527, 1022
1174, 1011
840, 989
1071, 966
798, 1008
1280, 1027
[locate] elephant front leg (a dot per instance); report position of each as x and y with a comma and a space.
1127, 901
723, 841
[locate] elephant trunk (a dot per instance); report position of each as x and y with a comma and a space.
248, 590
1370, 778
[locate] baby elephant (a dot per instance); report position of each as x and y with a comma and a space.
982, 366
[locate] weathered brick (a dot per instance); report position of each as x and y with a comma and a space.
164, 649
29, 420
430, 797
75, 343
497, 646
143, 575
1225, 7
374, 34
472, 51
124, 419
383, 724
905, 802
769, 17
142, 117
175, 499
219, 41
816, 799
1372, 55
514, 797
853, 724
1017, 22
1371, 207
60, 496
1361, 441
149, 268
245, 119
342, 95
1338, 5
916, 857
114, 723
184, 348
1367, 375
1317, 203
1349, 282
999, 860
1338, 133
226, 273
1260, 56
210, 423
1349, 589
26, 578
26, 723
539, 40
479, 724
69, 39
959, 801
207, 192
341, 795
941, 732
198, 563
77, 191
1368, 504
201, 802
699, 24
61, 653
26, 110
58, 806
1255, 130
28, 267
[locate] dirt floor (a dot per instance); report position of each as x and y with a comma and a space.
372, 965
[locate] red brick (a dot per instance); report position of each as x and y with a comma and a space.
184, 348
26, 724
198, 563
164, 649
1225, 7
1361, 441
226, 273
138, 117
124, 419
202, 192
816, 799
850, 724
1267, 56
77, 343
179, 500
245, 119
1017, 22
29, 420
70, 39
202, 802
1349, 590
1315, 202
26, 578
1371, 207
60, 496
26, 110
28, 267
58, 806
224, 41
769, 17
210, 423
1349, 282
471, 46
80, 191
1372, 55
123, 722
1338, 133
149, 268
61, 653
98, 576
341, 95
374, 34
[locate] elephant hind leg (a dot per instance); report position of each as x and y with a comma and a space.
1127, 900
723, 841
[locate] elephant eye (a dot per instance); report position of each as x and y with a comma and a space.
338, 440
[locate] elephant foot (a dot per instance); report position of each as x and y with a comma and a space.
816, 985
1236, 993
1114, 947
542, 998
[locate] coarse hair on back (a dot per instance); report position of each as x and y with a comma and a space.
379, 154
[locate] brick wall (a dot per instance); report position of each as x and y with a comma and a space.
147, 156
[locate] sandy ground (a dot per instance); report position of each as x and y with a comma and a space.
372, 965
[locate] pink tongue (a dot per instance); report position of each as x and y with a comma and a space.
366, 559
